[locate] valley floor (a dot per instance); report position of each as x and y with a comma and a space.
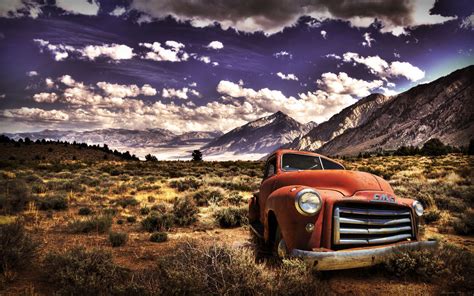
65, 202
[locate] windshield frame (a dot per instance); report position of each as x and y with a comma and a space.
306, 154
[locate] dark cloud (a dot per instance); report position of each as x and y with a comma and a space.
453, 8
271, 16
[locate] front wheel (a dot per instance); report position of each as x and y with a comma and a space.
279, 246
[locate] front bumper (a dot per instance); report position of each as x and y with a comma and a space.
346, 259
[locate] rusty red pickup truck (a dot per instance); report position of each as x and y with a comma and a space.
311, 207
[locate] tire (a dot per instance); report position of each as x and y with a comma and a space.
279, 246
261, 248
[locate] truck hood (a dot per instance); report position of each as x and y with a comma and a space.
345, 182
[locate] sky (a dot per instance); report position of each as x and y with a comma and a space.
207, 65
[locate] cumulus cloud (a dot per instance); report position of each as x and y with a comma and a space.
324, 34
45, 97
105, 104
31, 73
407, 70
84, 7
171, 52
61, 51
382, 68
113, 51
368, 40
36, 114
333, 56
287, 76
317, 106
282, 54
119, 90
148, 90
204, 59
273, 16
67, 80
123, 90
215, 45
179, 93
49, 82
118, 11
468, 23
20, 8
343, 84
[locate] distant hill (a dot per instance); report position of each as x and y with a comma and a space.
442, 109
56, 151
263, 135
122, 137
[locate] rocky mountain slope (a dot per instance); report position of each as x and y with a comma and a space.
349, 117
122, 137
441, 109
263, 135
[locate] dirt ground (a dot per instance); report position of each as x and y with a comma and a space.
140, 253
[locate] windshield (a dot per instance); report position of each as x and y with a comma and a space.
298, 162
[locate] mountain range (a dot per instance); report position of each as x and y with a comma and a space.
123, 137
440, 109
263, 135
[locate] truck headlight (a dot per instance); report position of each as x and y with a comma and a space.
308, 202
418, 207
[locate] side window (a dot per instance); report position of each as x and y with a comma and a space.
270, 167
330, 165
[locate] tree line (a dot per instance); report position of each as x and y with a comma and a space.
27, 141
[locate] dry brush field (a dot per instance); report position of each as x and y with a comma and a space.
179, 228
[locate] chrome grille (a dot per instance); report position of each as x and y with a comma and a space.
370, 225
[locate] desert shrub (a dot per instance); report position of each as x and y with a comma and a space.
204, 197
235, 199
295, 277
231, 217
432, 216
55, 202
222, 270
465, 225
450, 266
85, 211
158, 222
216, 270
14, 196
131, 219
118, 239
459, 267
81, 272
69, 186
99, 224
185, 184
145, 211
110, 212
126, 201
242, 185
39, 187
420, 263
17, 248
185, 211
158, 237
159, 207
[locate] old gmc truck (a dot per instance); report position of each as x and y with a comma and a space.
310, 207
